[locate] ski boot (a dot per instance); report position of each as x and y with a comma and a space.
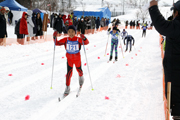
81, 80
67, 91
176, 117
116, 58
110, 58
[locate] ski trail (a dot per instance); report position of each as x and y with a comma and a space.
53, 109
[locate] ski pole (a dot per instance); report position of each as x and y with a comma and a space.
53, 62
87, 64
106, 45
121, 48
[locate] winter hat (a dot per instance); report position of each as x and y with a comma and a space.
176, 6
114, 28
72, 27
7, 8
3, 9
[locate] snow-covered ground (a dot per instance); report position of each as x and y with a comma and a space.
134, 91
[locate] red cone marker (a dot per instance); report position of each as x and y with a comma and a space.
107, 98
27, 97
10, 75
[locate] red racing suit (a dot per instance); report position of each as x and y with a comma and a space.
72, 58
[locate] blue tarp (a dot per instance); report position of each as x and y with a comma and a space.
13, 5
100, 12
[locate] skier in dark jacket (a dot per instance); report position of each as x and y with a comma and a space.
97, 23
171, 61
129, 39
59, 24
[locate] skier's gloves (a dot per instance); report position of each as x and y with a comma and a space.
109, 29
118, 30
82, 37
55, 34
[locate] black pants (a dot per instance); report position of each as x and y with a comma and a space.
129, 42
144, 33
20, 36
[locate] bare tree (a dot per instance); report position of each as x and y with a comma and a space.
83, 6
137, 14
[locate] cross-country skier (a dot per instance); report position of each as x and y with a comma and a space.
124, 34
144, 27
73, 46
114, 42
129, 39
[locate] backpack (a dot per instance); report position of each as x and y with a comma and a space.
17, 27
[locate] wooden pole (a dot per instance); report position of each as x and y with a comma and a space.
168, 99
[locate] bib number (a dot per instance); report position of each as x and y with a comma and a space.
72, 47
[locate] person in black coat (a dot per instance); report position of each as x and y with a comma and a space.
3, 31
79, 25
39, 26
131, 24
51, 23
75, 22
97, 23
83, 26
10, 15
59, 24
35, 25
171, 61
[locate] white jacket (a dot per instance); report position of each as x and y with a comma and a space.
30, 23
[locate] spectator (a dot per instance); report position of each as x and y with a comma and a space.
52, 16
72, 16
10, 15
83, 26
126, 24
75, 22
93, 22
30, 24
65, 28
69, 20
23, 29
35, 26
171, 64
59, 24
6, 14
39, 26
3, 31
131, 24
97, 23
78, 26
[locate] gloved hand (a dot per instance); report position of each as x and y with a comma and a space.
55, 34
118, 30
109, 29
82, 37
